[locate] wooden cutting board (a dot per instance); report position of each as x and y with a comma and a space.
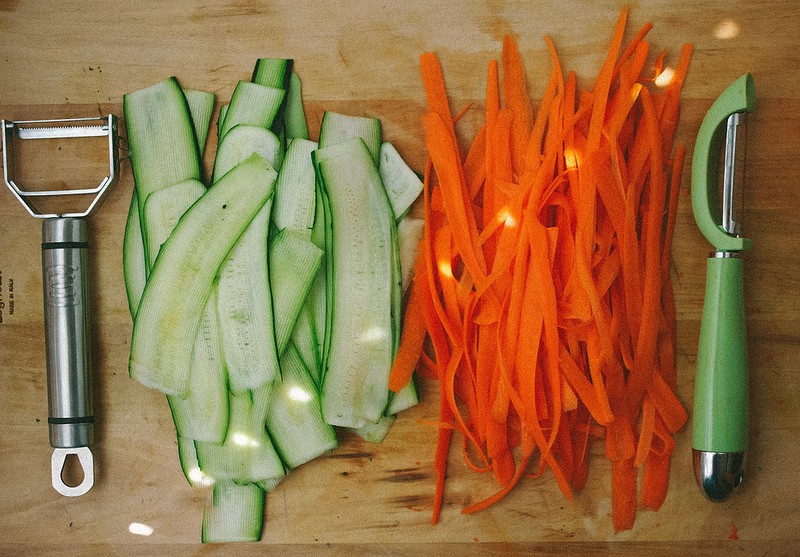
71, 58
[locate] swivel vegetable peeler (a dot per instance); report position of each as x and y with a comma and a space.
65, 289
720, 430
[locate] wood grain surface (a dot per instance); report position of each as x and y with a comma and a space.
77, 58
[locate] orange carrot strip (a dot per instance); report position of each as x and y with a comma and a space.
447, 163
465, 450
569, 397
440, 424
527, 332
449, 389
435, 91
584, 246
655, 481
461, 114
498, 451
411, 341
625, 98
475, 164
668, 119
492, 111
598, 407
489, 501
503, 162
646, 342
509, 324
666, 339
658, 64
432, 271
442, 353
564, 450
620, 440
440, 133
604, 239
426, 366
545, 288
440, 462
492, 96
667, 404
607, 272
488, 310
484, 371
557, 77
468, 372
515, 91
672, 205
623, 494
580, 469
631, 72
442, 255
629, 258
624, 344
437, 205
533, 156
612, 196
630, 50
663, 440
646, 432
603, 84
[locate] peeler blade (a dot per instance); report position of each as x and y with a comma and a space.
733, 181
60, 132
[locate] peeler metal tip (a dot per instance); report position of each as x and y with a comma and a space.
718, 474
86, 461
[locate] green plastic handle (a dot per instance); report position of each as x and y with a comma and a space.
740, 96
721, 385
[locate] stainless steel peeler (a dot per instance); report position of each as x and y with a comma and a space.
66, 290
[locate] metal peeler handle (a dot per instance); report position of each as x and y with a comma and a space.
66, 312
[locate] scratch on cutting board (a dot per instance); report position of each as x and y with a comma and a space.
285, 504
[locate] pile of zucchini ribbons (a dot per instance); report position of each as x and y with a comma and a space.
267, 299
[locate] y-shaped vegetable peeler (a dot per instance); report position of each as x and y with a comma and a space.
720, 432
66, 290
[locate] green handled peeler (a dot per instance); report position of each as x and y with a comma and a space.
719, 439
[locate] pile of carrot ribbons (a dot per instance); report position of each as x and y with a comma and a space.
541, 298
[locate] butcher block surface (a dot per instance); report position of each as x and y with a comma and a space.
77, 58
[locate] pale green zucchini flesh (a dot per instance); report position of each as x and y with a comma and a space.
254, 105
183, 277
402, 184
294, 420
201, 108
294, 113
338, 128
240, 142
235, 514
355, 385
